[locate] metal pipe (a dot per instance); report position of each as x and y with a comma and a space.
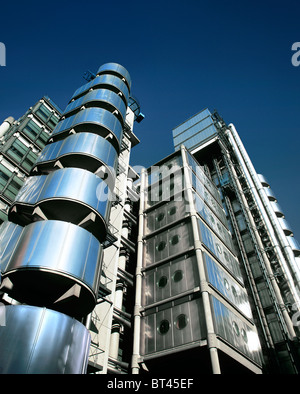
271, 218
211, 336
4, 127
138, 278
267, 265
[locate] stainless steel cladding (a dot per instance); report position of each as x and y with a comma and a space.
92, 120
219, 250
270, 194
171, 279
214, 223
82, 150
165, 190
224, 284
285, 226
173, 326
9, 235
115, 69
69, 194
50, 258
277, 209
168, 243
164, 170
165, 214
99, 98
42, 341
231, 328
104, 81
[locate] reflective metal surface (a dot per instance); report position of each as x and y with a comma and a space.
42, 341
164, 215
115, 69
105, 81
181, 324
168, 243
225, 284
163, 191
170, 279
285, 226
82, 150
241, 335
9, 235
294, 245
212, 242
92, 120
263, 180
69, 194
48, 259
270, 194
276, 208
102, 98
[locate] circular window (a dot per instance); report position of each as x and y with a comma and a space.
160, 247
236, 328
219, 248
163, 280
164, 327
234, 292
244, 335
172, 211
181, 321
160, 217
174, 240
177, 276
226, 284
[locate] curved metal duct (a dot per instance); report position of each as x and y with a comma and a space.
83, 150
92, 120
69, 194
42, 341
45, 267
115, 69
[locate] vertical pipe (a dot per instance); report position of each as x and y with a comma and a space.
138, 278
211, 336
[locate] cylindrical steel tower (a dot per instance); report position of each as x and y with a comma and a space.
51, 248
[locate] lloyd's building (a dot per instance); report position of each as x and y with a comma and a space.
186, 267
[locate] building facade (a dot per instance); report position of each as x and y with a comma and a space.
185, 267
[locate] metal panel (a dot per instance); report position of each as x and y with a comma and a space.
276, 208
102, 98
166, 189
181, 324
214, 223
263, 180
220, 251
225, 284
285, 226
165, 214
51, 257
239, 334
294, 245
9, 235
167, 244
115, 69
83, 150
166, 169
168, 280
92, 120
270, 194
60, 194
42, 341
105, 81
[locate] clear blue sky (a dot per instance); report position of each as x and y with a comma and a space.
183, 56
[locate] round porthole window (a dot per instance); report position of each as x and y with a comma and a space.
164, 327
160, 217
177, 276
160, 247
172, 211
226, 284
174, 240
181, 321
219, 249
163, 280
244, 335
236, 328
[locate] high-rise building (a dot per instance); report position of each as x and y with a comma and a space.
188, 266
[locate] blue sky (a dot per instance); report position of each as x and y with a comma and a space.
183, 56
